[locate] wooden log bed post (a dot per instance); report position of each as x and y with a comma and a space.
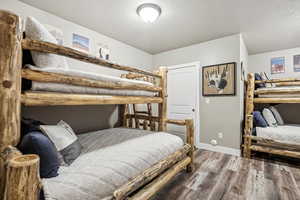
162, 107
249, 116
19, 177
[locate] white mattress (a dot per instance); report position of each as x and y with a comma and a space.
296, 88
68, 88
109, 159
286, 133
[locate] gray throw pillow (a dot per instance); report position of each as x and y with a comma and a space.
64, 139
277, 115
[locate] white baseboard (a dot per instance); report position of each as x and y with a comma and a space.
221, 149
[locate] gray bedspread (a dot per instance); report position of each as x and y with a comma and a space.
109, 159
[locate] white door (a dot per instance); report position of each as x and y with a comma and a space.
183, 96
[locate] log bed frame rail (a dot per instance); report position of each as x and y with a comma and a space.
19, 174
259, 144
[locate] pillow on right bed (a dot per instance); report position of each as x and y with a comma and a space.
277, 115
259, 120
258, 77
269, 117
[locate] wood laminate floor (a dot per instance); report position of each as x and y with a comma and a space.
221, 176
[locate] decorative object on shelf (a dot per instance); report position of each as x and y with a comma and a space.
81, 43
277, 65
103, 51
219, 80
56, 32
296, 63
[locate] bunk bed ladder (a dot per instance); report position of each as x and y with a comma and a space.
148, 114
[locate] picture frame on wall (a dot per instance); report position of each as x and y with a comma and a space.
243, 73
296, 60
219, 80
80, 42
277, 65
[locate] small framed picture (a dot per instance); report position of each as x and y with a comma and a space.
277, 65
81, 43
219, 80
296, 63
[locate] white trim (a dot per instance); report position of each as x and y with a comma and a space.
197, 67
222, 149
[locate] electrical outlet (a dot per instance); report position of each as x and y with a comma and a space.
207, 100
213, 142
220, 135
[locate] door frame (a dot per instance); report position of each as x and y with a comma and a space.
197, 109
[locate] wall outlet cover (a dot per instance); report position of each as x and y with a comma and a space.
213, 142
220, 135
207, 100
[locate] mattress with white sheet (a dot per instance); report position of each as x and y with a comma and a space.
285, 133
68, 88
289, 88
109, 159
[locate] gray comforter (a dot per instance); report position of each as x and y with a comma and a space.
109, 159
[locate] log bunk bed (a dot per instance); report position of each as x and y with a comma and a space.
20, 173
283, 93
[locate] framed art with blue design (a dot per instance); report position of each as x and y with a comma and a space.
277, 65
80, 42
296, 63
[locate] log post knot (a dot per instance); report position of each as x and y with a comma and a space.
7, 84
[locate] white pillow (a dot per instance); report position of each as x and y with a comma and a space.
36, 31
277, 115
269, 117
61, 134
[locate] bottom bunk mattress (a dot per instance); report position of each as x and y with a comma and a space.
109, 159
286, 133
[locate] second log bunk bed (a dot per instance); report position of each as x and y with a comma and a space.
19, 174
282, 93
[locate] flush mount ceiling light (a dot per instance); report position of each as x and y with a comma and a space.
149, 12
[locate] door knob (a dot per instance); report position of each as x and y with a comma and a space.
193, 109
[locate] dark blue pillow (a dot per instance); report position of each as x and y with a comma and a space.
37, 143
259, 120
258, 77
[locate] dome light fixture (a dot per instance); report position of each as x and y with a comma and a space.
149, 12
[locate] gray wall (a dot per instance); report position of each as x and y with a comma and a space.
222, 114
262, 62
88, 117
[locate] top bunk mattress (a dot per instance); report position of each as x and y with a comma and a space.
287, 88
68, 88
109, 159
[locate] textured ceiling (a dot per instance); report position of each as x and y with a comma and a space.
266, 25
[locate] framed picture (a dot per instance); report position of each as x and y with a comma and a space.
81, 43
219, 80
243, 74
296, 63
277, 65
